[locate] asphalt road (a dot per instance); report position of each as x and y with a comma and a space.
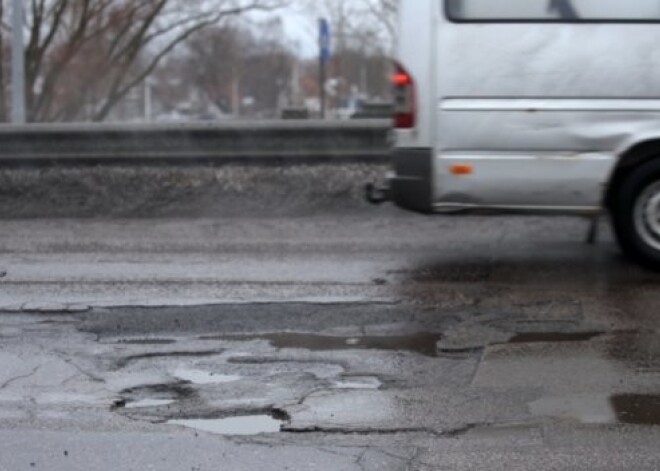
372, 340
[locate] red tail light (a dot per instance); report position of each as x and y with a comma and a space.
405, 106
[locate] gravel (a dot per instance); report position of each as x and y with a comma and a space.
171, 191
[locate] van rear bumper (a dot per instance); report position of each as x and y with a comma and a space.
412, 182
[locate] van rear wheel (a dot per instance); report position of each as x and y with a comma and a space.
636, 214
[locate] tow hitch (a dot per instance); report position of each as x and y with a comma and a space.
378, 193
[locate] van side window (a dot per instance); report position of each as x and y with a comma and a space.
553, 10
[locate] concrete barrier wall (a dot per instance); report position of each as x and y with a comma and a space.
259, 169
188, 144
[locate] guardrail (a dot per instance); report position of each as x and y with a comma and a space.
261, 142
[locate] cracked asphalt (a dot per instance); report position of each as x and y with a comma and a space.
357, 340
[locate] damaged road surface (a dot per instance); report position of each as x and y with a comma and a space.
310, 344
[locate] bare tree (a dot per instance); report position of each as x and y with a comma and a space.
226, 64
89, 54
269, 70
363, 24
216, 60
384, 12
363, 36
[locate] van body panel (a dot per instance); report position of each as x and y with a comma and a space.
555, 60
541, 112
523, 179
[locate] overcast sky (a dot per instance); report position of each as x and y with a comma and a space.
301, 29
300, 26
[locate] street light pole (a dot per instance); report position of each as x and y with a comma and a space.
18, 64
324, 56
322, 80
148, 99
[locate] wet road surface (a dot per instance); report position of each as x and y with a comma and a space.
347, 342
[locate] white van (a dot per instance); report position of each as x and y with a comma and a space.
531, 106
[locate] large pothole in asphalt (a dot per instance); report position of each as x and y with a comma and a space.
203, 389
170, 404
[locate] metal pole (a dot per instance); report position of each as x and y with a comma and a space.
18, 64
322, 86
324, 56
148, 99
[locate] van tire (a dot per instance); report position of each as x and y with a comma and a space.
636, 214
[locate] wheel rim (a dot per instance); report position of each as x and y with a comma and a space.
647, 215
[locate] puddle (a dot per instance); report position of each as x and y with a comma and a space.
554, 337
422, 343
146, 403
637, 409
248, 425
204, 377
365, 382
145, 342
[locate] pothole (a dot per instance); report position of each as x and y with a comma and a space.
172, 392
422, 343
237, 426
200, 377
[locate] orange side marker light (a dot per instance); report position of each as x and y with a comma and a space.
461, 169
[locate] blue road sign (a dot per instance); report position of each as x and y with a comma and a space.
324, 39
